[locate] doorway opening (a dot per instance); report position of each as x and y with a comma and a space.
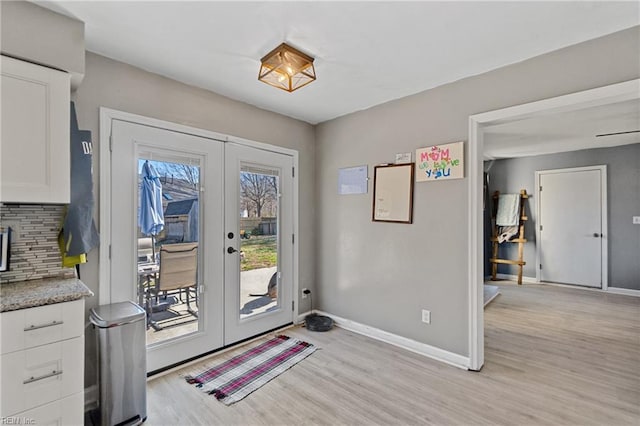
480, 127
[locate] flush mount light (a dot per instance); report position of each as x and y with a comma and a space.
287, 68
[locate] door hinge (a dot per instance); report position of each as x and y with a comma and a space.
110, 143
293, 172
293, 238
540, 188
541, 266
293, 304
109, 251
541, 227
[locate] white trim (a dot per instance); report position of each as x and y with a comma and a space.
300, 318
90, 398
429, 351
604, 258
509, 277
107, 115
624, 291
475, 248
614, 93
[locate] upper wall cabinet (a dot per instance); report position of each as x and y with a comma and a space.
34, 149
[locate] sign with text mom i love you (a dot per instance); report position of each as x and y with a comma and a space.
440, 162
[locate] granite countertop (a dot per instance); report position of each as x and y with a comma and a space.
28, 294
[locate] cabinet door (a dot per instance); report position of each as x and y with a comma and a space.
40, 375
35, 159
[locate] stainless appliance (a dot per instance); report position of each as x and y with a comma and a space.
5, 248
121, 330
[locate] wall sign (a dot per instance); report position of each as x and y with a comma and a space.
440, 162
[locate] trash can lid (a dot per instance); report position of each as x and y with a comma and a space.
116, 314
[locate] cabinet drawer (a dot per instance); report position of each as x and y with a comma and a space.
40, 375
67, 411
28, 328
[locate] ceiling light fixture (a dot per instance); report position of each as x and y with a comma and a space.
287, 68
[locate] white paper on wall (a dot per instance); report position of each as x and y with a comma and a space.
440, 162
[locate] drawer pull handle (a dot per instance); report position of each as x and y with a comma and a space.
36, 327
46, 376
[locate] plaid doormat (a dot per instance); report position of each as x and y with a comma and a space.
236, 378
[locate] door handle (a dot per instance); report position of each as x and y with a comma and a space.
596, 235
231, 250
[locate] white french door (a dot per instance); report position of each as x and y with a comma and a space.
133, 143
242, 236
571, 231
258, 255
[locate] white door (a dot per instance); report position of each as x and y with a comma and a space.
184, 322
258, 241
571, 226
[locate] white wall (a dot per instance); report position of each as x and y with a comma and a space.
383, 274
122, 87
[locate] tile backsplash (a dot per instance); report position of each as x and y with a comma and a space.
34, 253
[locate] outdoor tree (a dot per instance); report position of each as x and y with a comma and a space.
257, 189
186, 172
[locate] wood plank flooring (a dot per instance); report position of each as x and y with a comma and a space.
556, 356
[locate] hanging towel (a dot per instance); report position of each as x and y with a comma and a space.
508, 206
79, 234
506, 233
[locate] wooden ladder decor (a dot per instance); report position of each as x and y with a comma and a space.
520, 240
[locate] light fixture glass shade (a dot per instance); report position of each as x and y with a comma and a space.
287, 68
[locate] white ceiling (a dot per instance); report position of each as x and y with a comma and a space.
568, 131
366, 53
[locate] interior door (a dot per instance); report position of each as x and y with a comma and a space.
258, 241
571, 227
193, 226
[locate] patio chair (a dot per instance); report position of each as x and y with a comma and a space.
178, 271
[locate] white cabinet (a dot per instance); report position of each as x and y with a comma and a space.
42, 362
34, 151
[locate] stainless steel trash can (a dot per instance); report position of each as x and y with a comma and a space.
122, 353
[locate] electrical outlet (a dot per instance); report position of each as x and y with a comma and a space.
636, 220
426, 316
305, 293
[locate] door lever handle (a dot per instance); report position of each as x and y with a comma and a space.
231, 250
596, 235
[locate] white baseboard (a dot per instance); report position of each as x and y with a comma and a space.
625, 291
528, 280
402, 342
90, 398
301, 317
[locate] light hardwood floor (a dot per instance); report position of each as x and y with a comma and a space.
553, 356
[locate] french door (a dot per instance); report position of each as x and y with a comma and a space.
227, 219
258, 254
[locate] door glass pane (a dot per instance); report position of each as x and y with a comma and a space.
168, 234
259, 205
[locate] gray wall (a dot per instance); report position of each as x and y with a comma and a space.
122, 87
383, 274
623, 192
38, 35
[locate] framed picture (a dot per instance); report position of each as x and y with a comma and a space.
393, 193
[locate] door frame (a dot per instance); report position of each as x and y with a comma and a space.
614, 93
604, 245
107, 115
